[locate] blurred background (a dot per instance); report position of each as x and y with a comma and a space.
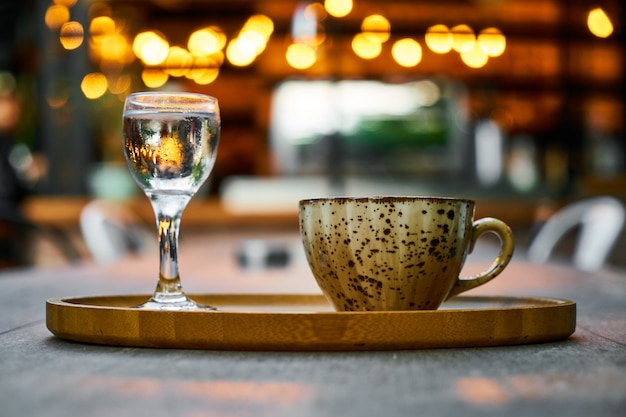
517, 103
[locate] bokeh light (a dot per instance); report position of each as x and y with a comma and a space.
99, 9
376, 27
151, 48
407, 52
439, 39
119, 84
206, 41
599, 23
115, 48
365, 46
475, 57
66, 3
338, 8
261, 24
463, 38
251, 40
56, 16
154, 78
301, 56
71, 35
94, 85
316, 10
101, 26
57, 94
241, 52
178, 61
491, 41
254, 38
199, 66
208, 76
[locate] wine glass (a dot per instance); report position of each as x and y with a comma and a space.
170, 143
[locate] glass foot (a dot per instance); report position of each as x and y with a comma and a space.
182, 303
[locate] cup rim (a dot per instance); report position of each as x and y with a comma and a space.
384, 199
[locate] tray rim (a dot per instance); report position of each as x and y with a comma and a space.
539, 319
541, 303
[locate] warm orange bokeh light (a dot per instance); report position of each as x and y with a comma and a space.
463, 38
178, 61
479, 390
94, 85
101, 26
204, 69
151, 48
301, 56
317, 10
599, 23
376, 27
154, 78
257, 39
261, 24
220, 36
251, 41
116, 48
72, 35
206, 42
99, 9
475, 57
66, 3
365, 46
338, 8
241, 52
57, 94
439, 39
56, 16
407, 52
491, 41
208, 77
120, 84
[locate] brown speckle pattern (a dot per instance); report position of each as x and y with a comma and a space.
399, 253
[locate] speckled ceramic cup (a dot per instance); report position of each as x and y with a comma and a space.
395, 253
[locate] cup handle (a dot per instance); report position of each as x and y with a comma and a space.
488, 224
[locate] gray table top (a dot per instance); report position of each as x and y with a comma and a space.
43, 375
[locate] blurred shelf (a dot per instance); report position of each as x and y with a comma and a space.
64, 212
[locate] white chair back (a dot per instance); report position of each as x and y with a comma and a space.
601, 220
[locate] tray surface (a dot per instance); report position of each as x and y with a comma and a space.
309, 323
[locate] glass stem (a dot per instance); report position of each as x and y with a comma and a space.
168, 210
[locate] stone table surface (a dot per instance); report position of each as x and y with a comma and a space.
41, 375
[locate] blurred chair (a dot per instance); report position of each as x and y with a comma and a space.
19, 237
111, 231
600, 219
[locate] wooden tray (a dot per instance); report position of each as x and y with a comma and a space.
308, 323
